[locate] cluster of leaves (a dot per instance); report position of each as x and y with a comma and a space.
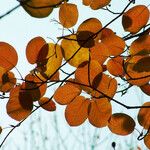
100, 57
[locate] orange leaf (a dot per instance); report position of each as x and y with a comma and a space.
134, 75
34, 87
38, 8
47, 104
68, 14
86, 31
33, 49
146, 88
8, 56
121, 124
77, 111
140, 46
105, 85
135, 18
66, 93
86, 2
99, 52
19, 105
115, 44
142, 65
86, 72
97, 4
144, 116
147, 141
115, 66
99, 112
7, 81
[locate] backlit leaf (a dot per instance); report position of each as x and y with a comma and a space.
52, 61
72, 51
7, 81
66, 93
34, 86
97, 4
140, 46
68, 14
146, 88
135, 18
99, 52
144, 116
147, 141
134, 75
19, 105
33, 49
86, 31
115, 66
99, 112
8, 56
106, 86
86, 72
115, 44
121, 124
38, 8
77, 111
47, 104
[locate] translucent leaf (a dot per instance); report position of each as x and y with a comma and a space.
147, 141
105, 85
99, 112
135, 18
86, 31
66, 93
8, 56
146, 88
34, 48
140, 46
19, 105
121, 124
7, 81
115, 44
72, 51
51, 62
77, 111
142, 65
115, 66
34, 86
106, 32
86, 73
68, 14
97, 4
38, 8
86, 2
134, 75
144, 116
99, 52
47, 104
